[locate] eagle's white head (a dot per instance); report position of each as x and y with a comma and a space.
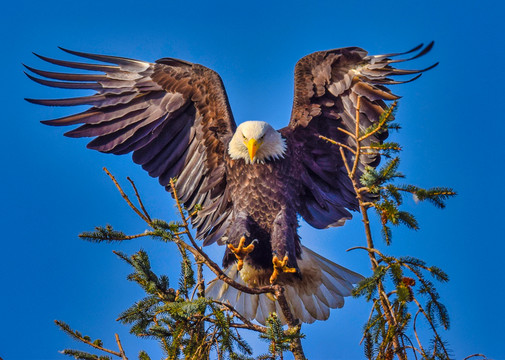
256, 141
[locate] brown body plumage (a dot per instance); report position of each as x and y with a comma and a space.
250, 181
263, 208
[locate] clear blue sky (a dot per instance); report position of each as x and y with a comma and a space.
53, 188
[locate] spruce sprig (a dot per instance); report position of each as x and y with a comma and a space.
280, 340
82, 355
104, 234
185, 326
97, 344
386, 196
386, 331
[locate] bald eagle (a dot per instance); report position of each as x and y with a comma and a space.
251, 181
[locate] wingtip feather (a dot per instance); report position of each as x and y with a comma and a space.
33, 101
41, 57
48, 122
127, 63
67, 50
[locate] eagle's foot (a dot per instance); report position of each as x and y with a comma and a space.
280, 266
241, 251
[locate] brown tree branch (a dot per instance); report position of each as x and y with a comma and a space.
346, 132
201, 257
296, 345
358, 143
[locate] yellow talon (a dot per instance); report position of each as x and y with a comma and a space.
279, 267
241, 251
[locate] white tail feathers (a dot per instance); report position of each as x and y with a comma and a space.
323, 286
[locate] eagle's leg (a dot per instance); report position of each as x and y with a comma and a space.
285, 244
241, 251
280, 266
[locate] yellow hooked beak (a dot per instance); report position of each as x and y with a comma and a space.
252, 146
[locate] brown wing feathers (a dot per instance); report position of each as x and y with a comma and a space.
175, 118
173, 115
327, 87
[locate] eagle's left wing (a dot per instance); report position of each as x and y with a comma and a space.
172, 115
327, 87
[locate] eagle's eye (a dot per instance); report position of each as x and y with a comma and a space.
243, 137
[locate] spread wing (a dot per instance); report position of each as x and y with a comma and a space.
173, 115
327, 87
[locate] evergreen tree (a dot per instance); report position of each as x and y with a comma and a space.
188, 325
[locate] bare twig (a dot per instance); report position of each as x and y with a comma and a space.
433, 328
139, 200
372, 250
249, 324
414, 350
337, 143
121, 351
415, 333
346, 132
130, 237
484, 357
358, 143
369, 317
139, 213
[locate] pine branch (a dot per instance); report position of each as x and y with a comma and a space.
390, 316
144, 315
108, 234
277, 290
82, 355
171, 316
280, 340
381, 126
97, 344
143, 356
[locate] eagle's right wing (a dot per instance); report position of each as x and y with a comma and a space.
172, 115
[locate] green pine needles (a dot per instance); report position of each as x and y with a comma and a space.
187, 325
280, 340
391, 330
